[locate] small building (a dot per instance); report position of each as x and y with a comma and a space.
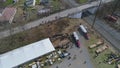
30, 2
8, 14
25, 54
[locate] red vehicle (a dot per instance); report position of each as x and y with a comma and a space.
111, 18
78, 43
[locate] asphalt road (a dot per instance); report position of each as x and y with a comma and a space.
82, 55
43, 20
110, 34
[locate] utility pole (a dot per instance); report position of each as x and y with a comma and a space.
96, 13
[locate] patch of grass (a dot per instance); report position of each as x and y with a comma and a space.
37, 1
56, 4
99, 60
32, 35
82, 1
8, 2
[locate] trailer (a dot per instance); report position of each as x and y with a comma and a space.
77, 41
92, 46
75, 36
100, 42
83, 31
101, 49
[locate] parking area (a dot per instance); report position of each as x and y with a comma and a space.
79, 57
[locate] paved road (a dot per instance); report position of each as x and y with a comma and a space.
106, 31
82, 55
49, 18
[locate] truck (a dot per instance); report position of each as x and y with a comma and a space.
83, 31
76, 38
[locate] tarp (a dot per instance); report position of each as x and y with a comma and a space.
24, 54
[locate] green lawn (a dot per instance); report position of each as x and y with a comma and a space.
4, 4
82, 1
8, 2
99, 60
37, 1
56, 4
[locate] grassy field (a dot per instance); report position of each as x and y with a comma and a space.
4, 4
8, 2
82, 1
99, 60
36, 34
56, 4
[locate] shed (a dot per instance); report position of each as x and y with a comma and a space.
27, 53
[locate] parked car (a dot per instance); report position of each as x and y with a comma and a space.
64, 54
111, 18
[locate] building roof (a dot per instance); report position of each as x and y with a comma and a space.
24, 54
8, 14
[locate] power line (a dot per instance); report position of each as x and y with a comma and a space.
96, 13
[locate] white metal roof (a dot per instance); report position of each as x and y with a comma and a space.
26, 53
83, 29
